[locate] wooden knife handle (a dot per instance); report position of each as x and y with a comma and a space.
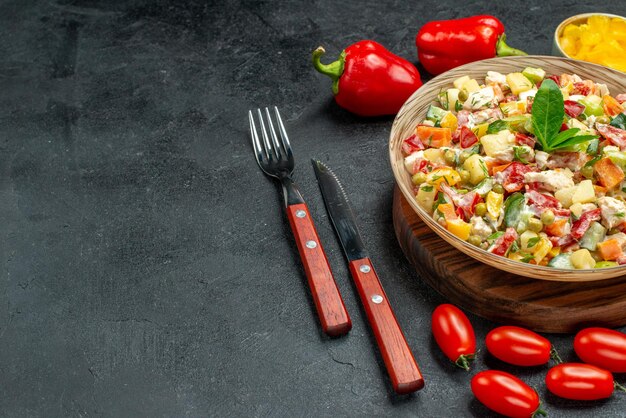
328, 302
401, 366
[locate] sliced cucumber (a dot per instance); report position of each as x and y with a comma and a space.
561, 261
435, 113
593, 236
605, 264
513, 207
534, 74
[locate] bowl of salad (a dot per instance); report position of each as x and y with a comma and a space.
519, 162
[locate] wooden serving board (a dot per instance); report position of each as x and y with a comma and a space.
545, 306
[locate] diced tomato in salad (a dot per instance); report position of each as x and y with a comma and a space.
476, 155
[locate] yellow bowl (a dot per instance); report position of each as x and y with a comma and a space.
577, 20
414, 110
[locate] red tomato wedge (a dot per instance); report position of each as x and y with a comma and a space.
518, 346
602, 347
506, 394
454, 334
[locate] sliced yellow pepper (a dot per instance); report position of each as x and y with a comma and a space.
447, 174
459, 228
494, 203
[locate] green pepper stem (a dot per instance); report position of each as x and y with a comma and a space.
619, 387
334, 70
503, 50
554, 355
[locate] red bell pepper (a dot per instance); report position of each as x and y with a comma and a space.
503, 243
445, 44
582, 224
573, 109
542, 201
467, 137
512, 177
465, 203
412, 144
522, 139
615, 135
368, 80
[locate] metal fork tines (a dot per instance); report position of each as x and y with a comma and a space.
275, 158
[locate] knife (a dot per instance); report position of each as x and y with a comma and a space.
399, 361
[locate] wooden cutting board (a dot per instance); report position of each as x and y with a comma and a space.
541, 305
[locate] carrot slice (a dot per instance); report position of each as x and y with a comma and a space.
556, 228
611, 106
447, 209
497, 168
434, 137
610, 249
609, 175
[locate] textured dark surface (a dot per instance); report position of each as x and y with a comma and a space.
147, 268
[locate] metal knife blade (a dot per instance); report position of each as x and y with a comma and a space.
339, 211
401, 365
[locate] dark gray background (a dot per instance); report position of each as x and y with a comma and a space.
147, 268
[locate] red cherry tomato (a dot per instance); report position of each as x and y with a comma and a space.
602, 347
580, 381
454, 334
518, 346
506, 394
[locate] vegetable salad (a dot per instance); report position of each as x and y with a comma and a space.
526, 166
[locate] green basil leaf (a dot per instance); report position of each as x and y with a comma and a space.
563, 136
532, 242
547, 113
495, 235
593, 147
591, 162
619, 121
497, 126
576, 140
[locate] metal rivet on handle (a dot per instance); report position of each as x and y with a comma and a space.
377, 299
311, 244
365, 268
300, 213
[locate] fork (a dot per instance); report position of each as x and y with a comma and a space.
276, 160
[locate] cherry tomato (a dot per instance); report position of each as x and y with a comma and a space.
580, 381
506, 394
518, 346
602, 347
454, 334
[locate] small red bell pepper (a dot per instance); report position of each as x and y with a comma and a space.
368, 80
445, 44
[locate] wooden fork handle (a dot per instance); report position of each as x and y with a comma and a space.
399, 361
328, 302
